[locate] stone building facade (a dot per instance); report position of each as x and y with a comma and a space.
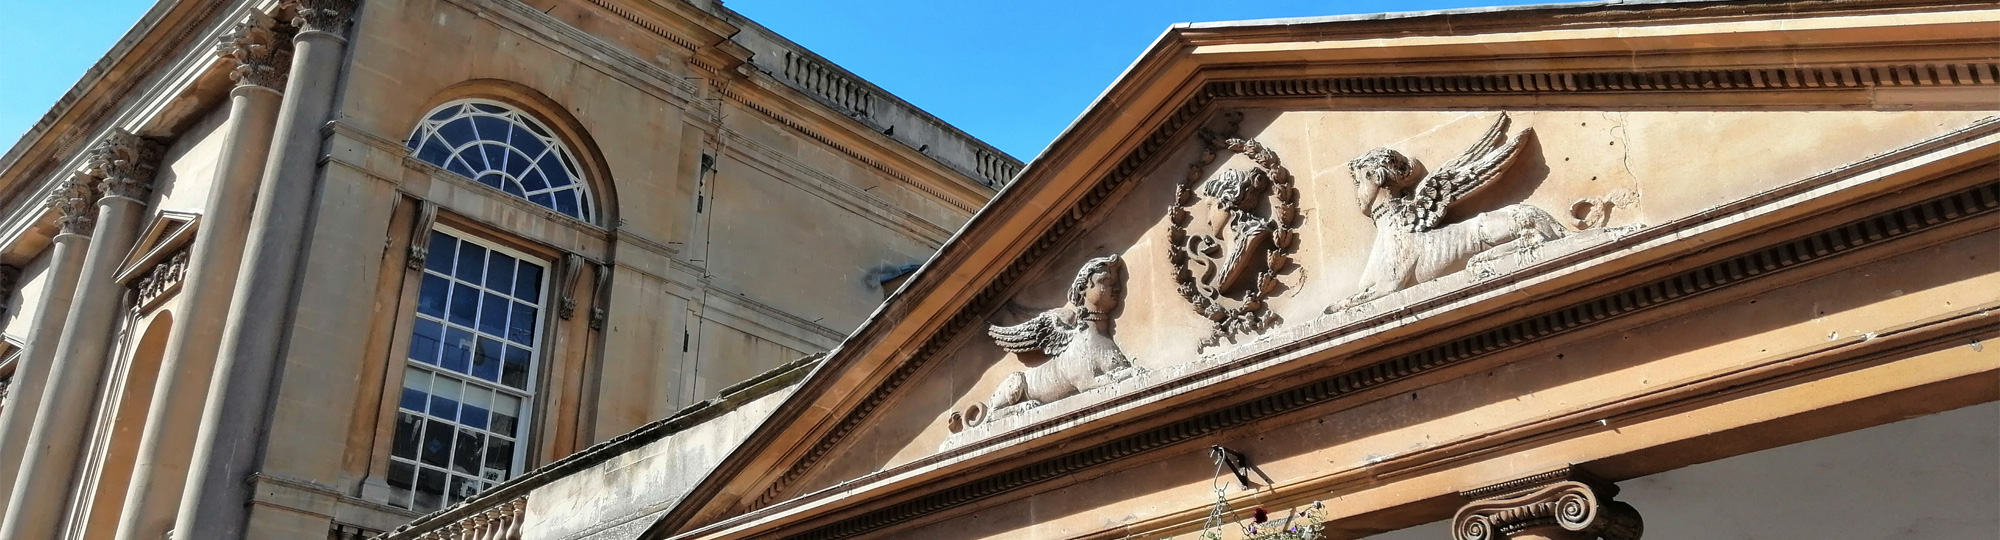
1682, 269
313, 268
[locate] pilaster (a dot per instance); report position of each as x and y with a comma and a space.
1567, 504
260, 50
124, 164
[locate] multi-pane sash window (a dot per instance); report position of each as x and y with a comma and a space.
507, 150
467, 384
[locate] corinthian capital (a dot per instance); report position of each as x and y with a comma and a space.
125, 163
1567, 504
330, 16
261, 48
73, 202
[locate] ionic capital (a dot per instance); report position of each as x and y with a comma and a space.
330, 16
125, 162
261, 50
75, 205
1568, 504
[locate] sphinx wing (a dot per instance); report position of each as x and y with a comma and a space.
1460, 177
1044, 332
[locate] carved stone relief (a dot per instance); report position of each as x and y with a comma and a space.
1568, 504
75, 205
1077, 339
164, 277
124, 163
261, 49
330, 16
1412, 242
1230, 236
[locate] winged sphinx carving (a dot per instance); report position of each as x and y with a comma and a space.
1412, 242
1077, 339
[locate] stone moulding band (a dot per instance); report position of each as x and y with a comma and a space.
1196, 106
1979, 200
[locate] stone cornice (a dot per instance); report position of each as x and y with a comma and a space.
1067, 198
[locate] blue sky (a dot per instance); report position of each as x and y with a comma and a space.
1014, 73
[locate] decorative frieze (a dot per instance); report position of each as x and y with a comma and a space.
75, 204
261, 50
166, 276
124, 163
330, 16
1567, 504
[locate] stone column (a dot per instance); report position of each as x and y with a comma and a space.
260, 50
125, 162
74, 217
1566, 504
231, 439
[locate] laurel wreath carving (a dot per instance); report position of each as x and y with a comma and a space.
1253, 315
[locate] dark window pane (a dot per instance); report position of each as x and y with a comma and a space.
430, 490
402, 475
408, 427
516, 373
513, 188
446, 112
444, 407
530, 147
492, 128
464, 304
487, 108
487, 364
458, 166
533, 181
472, 416
424, 341
566, 204
443, 249
433, 152
493, 314
517, 161
457, 350
457, 132
413, 399
521, 329
529, 285
493, 180
537, 129
437, 443
544, 200
570, 165
471, 261
499, 459
496, 156
465, 458
431, 295
504, 420
500, 273
553, 170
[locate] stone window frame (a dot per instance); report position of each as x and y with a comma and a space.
427, 132
532, 393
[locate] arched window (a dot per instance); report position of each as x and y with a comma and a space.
496, 145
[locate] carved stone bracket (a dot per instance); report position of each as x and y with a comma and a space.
571, 271
124, 162
1567, 504
330, 16
601, 301
261, 50
420, 234
74, 202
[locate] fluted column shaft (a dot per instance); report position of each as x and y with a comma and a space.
55, 444
260, 50
31, 368
233, 422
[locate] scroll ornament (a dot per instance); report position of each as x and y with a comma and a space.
1226, 264
1565, 505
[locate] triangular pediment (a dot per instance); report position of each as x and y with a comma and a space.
1254, 205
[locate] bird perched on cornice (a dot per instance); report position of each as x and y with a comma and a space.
1412, 243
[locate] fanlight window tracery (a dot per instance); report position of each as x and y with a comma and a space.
503, 148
